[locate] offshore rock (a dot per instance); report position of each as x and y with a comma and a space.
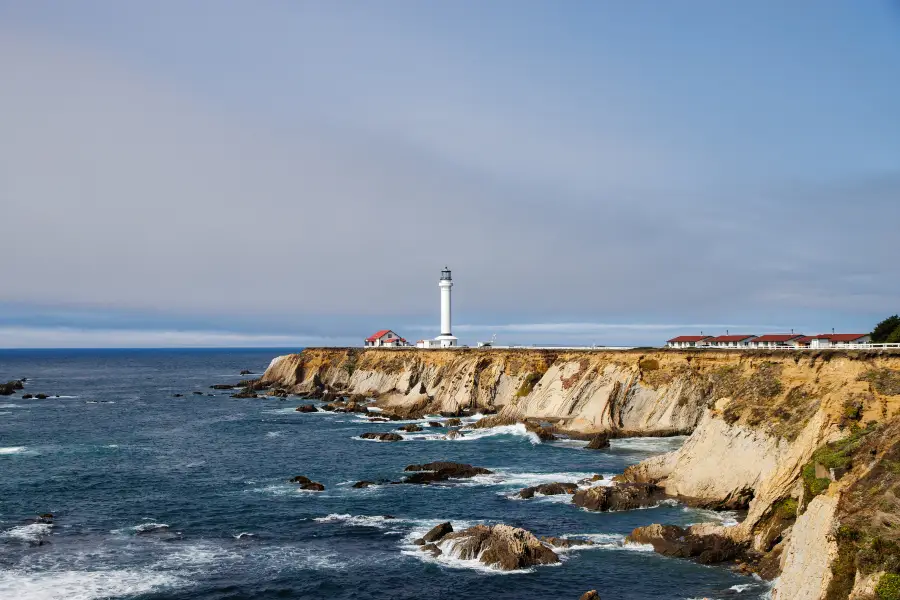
591, 595
453, 434
548, 489
411, 428
558, 542
441, 471
9, 388
501, 546
598, 442
306, 483
382, 437
623, 496
543, 434
435, 534
306, 408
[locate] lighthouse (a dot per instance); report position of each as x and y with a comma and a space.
446, 339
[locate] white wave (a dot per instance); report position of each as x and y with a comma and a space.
82, 585
31, 533
656, 445
10, 405
469, 435
111, 446
243, 535
14, 450
347, 520
142, 528
567, 443
726, 518
742, 587
504, 477
274, 433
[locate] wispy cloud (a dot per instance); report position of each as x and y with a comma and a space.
67, 337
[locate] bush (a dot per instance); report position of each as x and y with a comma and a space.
814, 485
888, 587
528, 384
787, 508
649, 364
883, 330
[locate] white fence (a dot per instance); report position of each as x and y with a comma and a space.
841, 346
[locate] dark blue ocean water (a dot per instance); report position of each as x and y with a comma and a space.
117, 453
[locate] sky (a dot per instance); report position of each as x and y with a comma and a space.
290, 173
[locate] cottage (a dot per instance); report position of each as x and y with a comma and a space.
730, 341
839, 340
776, 340
688, 341
385, 338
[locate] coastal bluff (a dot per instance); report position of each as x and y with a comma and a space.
806, 442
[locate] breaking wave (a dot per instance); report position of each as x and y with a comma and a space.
83, 585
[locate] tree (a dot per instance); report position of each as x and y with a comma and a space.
894, 338
884, 329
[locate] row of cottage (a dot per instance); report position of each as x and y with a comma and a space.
771, 340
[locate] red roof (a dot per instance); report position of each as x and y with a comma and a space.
689, 338
806, 339
377, 335
778, 337
731, 338
394, 339
842, 337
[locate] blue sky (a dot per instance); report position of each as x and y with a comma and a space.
294, 173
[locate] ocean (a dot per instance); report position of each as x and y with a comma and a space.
162, 497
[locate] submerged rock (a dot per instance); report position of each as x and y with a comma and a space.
278, 393
222, 386
306, 483
245, 393
454, 422
548, 489
453, 434
27, 397
442, 471
671, 540
41, 396
623, 496
557, 542
365, 484
501, 546
382, 437
598, 442
543, 434
411, 428
435, 424
306, 408
246, 372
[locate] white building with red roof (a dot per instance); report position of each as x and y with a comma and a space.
730, 341
385, 338
839, 340
776, 340
688, 341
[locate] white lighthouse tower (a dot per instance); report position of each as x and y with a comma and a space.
446, 339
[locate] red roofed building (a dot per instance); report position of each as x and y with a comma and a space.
839, 340
385, 338
730, 341
688, 341
776, 340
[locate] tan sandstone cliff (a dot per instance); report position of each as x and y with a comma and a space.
756, 420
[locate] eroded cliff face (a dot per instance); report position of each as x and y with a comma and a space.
755, 419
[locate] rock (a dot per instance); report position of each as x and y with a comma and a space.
306, 483
278, 393
589, 480
591, 595
46, 518
432, 549
245, 393
442, 471
543, 434
411, 428
453, 434
364, 484
9, 388
378, 420
306, 408
494, 421
382, 437
178, 395
598, 442
557, 542
454, 422
501, 546
435, 424
671, 540
246, 372
548, 489
436, 533
41, 396
623, 496
27, 397
221, 386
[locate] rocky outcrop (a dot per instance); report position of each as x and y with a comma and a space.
590, 595
622, 496
435, 534
306, 408
548, 489
11, 387
308, 484
501, 546
670, 540
442, 471
598, 442
807, 560
382, 437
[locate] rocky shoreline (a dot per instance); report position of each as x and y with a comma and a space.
756, 421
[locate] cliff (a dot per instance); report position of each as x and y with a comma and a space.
796, 438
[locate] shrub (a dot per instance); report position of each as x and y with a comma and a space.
814, 485
884, 381
883, 330
528, 384
649, 364
787, 508
888, 587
